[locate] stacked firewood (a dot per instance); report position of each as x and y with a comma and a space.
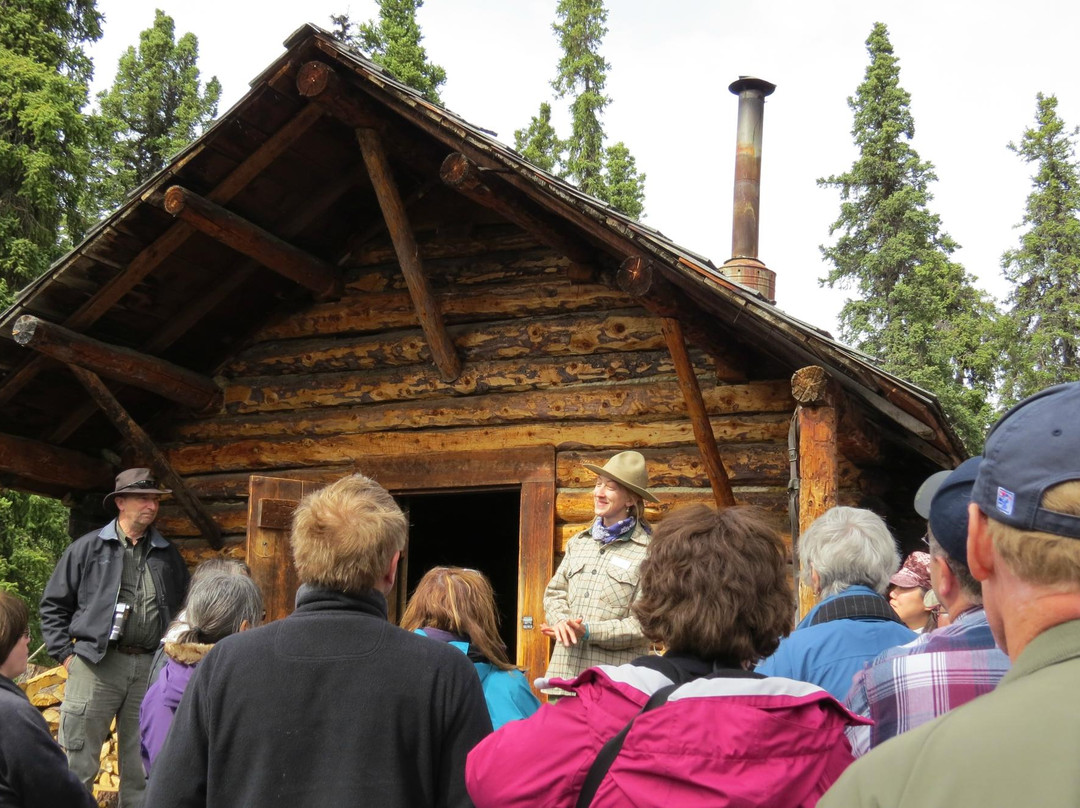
46, 692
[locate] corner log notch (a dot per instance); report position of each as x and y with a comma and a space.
234, 231
463, 175
819, 476
699, 417
175, 383
52, 465
138, 438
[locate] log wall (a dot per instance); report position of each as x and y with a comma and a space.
546, 362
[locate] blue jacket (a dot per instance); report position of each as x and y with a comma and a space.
830, 654
507, 693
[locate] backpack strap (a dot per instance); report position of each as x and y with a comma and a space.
610, 750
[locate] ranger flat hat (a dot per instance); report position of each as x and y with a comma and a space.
628, 470
135, 481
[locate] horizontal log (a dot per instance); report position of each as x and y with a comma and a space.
234, 231
481, 242
269, 454
749, 464
416, 382
196, 551
230, 518
642, 400
51, 465
360, 314
576, 505
132, 367
545, 336
564, 531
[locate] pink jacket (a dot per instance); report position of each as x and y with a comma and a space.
717, 742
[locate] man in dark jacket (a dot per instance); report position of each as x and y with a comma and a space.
332, 706
108, 602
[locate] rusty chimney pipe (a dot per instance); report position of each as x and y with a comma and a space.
744, 265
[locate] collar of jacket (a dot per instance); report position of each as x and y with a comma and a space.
187, 653
108, 533
310, 598
854, 589
10, 686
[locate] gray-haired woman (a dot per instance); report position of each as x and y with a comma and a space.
218, 604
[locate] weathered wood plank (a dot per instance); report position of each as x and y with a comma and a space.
651, 399
535, 567
560, 335
196, 551
53, 465
389, 310
235, 455
576, 505
415, 382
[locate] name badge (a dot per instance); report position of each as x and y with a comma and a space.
621, 563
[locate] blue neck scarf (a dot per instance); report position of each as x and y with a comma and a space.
619, 530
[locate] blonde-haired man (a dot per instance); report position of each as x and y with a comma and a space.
1017, 745
332, 706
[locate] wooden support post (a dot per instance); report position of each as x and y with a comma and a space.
52, 465
164, 245
175, 383
463, 175
138, 438
408, 254
234, 231
818, 466
699, 418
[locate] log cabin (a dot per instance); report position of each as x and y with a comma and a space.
340, 276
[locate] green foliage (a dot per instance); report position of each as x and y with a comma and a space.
917, 312
582, 74
539, 143
1042, 327
33, 535
44, 161
624, 187
609, 174
393, 42
155, 107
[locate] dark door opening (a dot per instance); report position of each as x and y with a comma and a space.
476, 530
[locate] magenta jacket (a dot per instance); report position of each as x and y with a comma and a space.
717, 742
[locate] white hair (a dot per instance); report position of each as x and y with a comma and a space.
845, 547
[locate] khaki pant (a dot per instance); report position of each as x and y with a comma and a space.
94, 694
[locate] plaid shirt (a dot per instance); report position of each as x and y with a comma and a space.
597, 582
914, 683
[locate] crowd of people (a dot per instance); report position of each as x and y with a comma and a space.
676, 678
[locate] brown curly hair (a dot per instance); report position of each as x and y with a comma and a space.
716, 585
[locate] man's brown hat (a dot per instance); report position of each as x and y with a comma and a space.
135, 481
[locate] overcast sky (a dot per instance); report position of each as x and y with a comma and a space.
972, 70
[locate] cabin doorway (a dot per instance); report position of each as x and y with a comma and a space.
478, 530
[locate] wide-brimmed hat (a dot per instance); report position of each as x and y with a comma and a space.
628, 470
915, 572
135, 481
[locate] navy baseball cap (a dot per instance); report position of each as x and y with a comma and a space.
927, 490
1033, 447
949, 509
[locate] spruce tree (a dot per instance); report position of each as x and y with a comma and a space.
1042, 327
539, 143
44, 75
155, 107
624, 187
916, 310
393, 42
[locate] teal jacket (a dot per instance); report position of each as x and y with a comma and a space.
507, 693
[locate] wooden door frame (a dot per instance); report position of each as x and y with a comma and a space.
532, 469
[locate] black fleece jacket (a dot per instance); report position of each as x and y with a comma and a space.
332, 706
33, 770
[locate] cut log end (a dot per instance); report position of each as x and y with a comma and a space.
635, 276
809, 385
457, 170
175, 199
24, 328
313, 79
